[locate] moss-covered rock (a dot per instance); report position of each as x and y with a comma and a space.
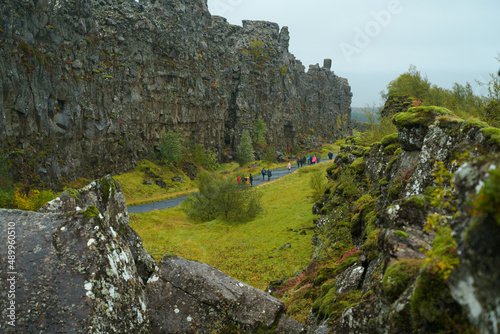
389, 139
395, 157
358, 165
391, 149
397, 277
419, 116
493, 134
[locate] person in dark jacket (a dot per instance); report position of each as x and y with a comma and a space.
251, 179
298, 163
263, 173
269, 174
330, 155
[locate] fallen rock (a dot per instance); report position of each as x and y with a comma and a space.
190, 297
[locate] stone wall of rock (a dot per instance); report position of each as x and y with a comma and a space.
412, 274
87, 88
77, 267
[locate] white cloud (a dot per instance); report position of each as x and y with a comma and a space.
447, 40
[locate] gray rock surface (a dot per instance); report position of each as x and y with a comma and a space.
88, 88
475, 283
73, 275
106, 195
189, 297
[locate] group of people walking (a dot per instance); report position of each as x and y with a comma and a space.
245, 179
268, 173
310, 160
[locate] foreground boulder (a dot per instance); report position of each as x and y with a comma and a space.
106, 196
190, 297
73, 274
79, 268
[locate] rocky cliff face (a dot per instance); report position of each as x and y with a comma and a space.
416, 219
77, 267
87, 88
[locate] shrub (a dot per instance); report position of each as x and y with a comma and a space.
259, 133
199, 156
33, 200
222, 198
269, 154
244, 151
318, 184
171, 148
379, 131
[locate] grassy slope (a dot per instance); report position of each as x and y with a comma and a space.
248, 252
136, 192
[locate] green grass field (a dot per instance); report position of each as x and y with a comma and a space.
249, 252
136, 192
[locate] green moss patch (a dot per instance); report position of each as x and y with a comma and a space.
391, 149
493, 134
389, 139
73, 193
488, 199
358, 165
419, 116
398, 276
331, 306
91, 212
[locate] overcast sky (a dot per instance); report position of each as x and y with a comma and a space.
371, 42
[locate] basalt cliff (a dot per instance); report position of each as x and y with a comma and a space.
88, 87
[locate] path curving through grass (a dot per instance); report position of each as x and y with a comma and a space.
256, 252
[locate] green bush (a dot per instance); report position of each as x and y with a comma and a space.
244, 151
222, 198
171, 148
318, 184
259, 133
199, 156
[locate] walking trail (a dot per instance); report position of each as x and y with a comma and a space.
257, 180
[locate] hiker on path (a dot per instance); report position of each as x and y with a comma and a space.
313, 159
298, 163
247, 180
289, 166
263, 173
238, 179
330, 155
269, 174
251, 179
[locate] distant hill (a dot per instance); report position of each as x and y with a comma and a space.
358, 114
